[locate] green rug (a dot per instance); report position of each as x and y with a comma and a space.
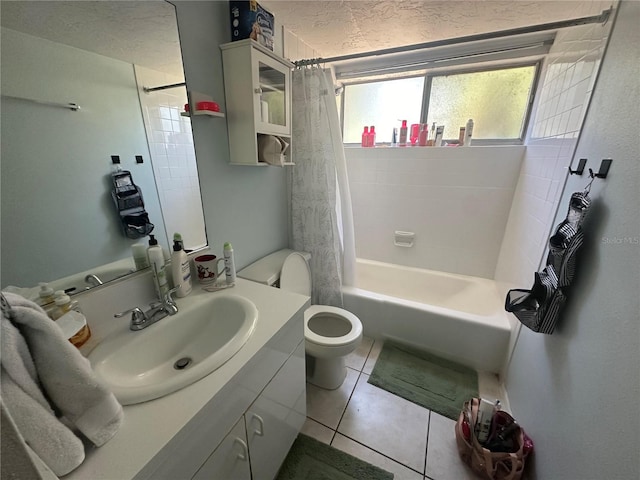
425, 379
310, 459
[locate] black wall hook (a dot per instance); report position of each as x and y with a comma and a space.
604, 169
581, 164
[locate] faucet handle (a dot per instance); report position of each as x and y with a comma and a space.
137, 315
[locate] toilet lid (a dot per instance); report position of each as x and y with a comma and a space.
296, 276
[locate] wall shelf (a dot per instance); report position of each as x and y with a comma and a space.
208, 113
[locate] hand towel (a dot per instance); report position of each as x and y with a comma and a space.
16, 462
64, 375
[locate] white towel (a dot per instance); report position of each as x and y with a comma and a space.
38, 363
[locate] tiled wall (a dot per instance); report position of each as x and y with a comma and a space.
173, 157
456, 200
563, 98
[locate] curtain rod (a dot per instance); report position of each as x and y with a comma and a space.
163, 87
602, 18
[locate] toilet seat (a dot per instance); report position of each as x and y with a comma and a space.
354, 334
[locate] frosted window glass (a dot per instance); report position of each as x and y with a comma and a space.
496, 101
382, 104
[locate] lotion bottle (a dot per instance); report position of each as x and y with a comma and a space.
45, 295
180, 270
158, 268
229, 264
372, 136
403, 134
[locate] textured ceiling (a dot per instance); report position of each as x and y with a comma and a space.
140, 32
342, 27
145, 32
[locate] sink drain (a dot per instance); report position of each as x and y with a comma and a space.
182, 363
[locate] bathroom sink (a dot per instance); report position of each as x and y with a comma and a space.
176, 351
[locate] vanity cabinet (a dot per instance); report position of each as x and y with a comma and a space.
258, 99
230, 460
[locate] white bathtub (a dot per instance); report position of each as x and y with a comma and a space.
456, 316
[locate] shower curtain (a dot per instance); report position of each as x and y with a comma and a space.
320, 215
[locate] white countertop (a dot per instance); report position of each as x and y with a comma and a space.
149, 426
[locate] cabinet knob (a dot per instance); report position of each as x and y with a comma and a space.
258, 90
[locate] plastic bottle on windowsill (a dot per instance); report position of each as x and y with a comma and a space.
365, 137
372, 136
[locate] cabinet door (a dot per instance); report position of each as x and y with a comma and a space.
272, 105
230, 460
276, 417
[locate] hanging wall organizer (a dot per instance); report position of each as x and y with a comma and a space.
540, 307
130, 205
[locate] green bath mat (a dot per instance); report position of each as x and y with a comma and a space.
425, 379
310, 459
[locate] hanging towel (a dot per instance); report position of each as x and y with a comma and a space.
43, 372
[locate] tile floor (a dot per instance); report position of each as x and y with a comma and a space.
385, 430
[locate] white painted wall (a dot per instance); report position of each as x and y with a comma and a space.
456, 200
576, 392
57, 209
243, 205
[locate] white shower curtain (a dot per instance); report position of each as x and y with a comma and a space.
320, 215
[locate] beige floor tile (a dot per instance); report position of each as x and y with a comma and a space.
327, 406
356, 359
373, 356
443, 461
317, 431
400, 472
387, 423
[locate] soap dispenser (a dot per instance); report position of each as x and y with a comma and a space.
158, 268
180, 269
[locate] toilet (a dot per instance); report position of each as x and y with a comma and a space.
330, 333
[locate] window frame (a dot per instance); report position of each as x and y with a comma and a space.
426, 95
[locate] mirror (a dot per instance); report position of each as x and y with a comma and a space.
59, 220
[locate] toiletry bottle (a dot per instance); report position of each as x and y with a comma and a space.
63, 304
178, 238
229, 264
158, 268
403, 134
394, 138
468, 133
432, 137
45, 295
461, 136
372, 136
424, 134
439, 134
365, 137
140, 259
180, 270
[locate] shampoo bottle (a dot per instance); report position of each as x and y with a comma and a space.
180, 270
468, 133
372, 136
403, 134
365, 137
229, 264
158, 268
423, 137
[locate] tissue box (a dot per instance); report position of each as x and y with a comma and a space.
250, 20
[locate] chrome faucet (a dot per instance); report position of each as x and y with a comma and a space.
157, 311
93, 280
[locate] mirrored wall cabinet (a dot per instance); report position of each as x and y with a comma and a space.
258, 102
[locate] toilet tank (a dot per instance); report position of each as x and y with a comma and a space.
267, 269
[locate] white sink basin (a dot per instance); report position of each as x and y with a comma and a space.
141, 366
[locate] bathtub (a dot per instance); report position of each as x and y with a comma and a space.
456, 316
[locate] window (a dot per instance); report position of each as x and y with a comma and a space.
380, 104
498, 100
